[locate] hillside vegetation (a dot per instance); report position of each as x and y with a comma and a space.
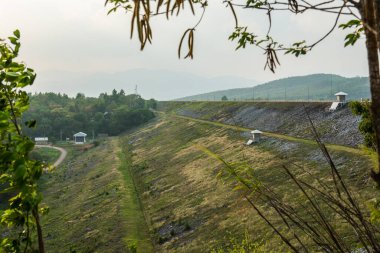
59, 116
154, 189
310, 87
92, 207
186, 206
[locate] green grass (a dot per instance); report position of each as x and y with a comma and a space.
47, 155
137, 230
156, 190
87, 200
177, 182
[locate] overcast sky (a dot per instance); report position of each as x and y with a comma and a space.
78, 36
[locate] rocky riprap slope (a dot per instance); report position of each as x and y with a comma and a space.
290, 118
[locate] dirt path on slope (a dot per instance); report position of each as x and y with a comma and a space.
61, 158
336, 147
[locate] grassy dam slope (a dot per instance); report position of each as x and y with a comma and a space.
155, 190
289, 118
93, 203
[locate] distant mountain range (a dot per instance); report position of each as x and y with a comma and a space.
158, 84
309, 87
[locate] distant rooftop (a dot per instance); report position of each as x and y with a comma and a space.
41, 139
341, 93
80, 134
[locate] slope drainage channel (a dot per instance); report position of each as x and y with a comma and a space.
275, 135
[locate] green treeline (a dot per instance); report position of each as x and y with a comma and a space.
59, 116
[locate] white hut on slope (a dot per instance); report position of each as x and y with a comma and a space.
256, 136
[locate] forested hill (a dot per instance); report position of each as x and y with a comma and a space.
59, 117
313, 87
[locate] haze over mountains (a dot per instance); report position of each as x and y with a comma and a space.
309, 87
173, 85
157, 84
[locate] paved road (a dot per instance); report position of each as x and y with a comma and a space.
60, 158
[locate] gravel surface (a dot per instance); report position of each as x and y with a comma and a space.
290, 118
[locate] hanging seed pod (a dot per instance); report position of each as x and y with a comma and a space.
272, 60
293, 5
190, 42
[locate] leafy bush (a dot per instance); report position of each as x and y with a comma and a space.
18, 173
366, 125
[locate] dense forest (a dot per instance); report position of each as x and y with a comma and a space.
59, 116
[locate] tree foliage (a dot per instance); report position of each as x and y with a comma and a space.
143, 11
366, 126
18, 173
59, 116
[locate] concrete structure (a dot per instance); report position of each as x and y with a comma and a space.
80, 138
249, 142
256, 135
334, 106
341, 96
41, 140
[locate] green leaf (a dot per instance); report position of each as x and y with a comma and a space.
13, 74
17, 33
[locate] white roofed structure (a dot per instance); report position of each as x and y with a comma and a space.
341, 96
256, 135
341, 100
80, 134
41, 140
80, 138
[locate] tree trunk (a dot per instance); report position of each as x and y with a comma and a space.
369, 15
377, 14
41, 246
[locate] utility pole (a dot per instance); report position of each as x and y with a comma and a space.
60, 133
285, 93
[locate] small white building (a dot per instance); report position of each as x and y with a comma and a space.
341, 96
80, 138
41, 140
341, 100
256, 135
